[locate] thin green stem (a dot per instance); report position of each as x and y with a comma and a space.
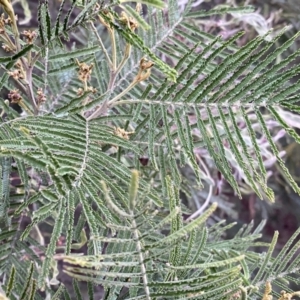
108, 104
101, 44
141, 258
113, 49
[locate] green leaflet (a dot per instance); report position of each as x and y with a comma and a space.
74, 54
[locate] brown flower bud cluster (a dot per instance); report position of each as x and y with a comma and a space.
7, 21
129, 21
30, 36
14, 96
84, 75
145, 70
41, 98
91, 89
283, 294
8, 44
120, 132
18, 72
85, 71
7, 48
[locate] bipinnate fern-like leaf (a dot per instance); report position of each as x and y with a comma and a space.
129, 254
27, 291
76, 166
90, 116
29, 288
146, 264
219, 105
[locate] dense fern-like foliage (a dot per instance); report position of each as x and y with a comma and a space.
140, 86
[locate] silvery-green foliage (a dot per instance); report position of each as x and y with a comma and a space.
80, 148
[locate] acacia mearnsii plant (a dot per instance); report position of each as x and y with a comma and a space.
116, 100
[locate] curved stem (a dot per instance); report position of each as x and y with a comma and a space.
29, 88
108, 104
141, 259
101, 44
206, 203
